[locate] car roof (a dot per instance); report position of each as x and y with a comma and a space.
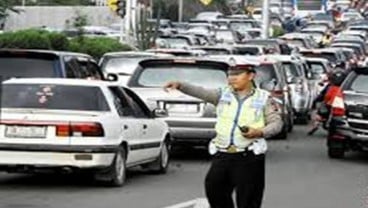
135, 54
316, 59
59, 81
57, 53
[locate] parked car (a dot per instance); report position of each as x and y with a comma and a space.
46, 63
349, 116
69, 125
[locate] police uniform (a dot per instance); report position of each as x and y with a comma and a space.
238, 162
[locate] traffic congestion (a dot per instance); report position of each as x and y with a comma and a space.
68, 112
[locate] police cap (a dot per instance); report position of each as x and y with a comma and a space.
241, 68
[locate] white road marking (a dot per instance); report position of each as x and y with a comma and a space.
195, 203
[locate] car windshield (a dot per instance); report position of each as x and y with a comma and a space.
122, 65
53, 97
26, 67
360, 84
204, 76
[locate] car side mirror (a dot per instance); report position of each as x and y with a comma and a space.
112, 77
159, 113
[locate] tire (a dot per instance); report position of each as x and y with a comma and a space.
290, 123
336, 153
115, 174
161, 164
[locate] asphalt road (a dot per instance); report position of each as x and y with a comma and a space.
299, 174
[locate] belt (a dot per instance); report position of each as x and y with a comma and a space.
232, 149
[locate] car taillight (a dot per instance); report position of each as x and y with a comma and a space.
82, 129
338, 106
277, 93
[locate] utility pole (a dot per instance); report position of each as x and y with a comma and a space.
180, 12
265, 18
127, 21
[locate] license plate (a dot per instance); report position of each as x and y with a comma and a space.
182, 108
25, 131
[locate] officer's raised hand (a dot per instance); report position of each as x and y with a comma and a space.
173, 85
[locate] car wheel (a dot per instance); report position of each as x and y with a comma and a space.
336, 152
115, 174
161, 164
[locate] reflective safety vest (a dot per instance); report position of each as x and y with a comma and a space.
233, 112
330, 95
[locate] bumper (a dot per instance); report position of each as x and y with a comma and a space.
352, 138
55, 160
192, 130
49, 156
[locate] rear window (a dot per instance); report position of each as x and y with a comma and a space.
265, 73
157, 76
331, 57
215, 51
54, 97
359, 83
122, 65
248, 51
317, 68
26, 67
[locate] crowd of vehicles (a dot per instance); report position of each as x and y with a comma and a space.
64, 111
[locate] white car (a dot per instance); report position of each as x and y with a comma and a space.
77, 125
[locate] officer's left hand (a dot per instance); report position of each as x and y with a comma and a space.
253, 133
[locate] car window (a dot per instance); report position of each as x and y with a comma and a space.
359, 83
265, 73
138, 106
27, 67
53, 96
121, 102
72, 69
157, 76
291, 70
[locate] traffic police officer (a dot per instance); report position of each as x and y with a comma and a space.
245, 116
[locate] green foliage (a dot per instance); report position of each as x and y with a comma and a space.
30, 39
96, 47
277, 31
40, 39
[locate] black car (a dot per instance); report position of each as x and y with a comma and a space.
26, 63
348, 129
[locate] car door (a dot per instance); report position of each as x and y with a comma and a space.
129, 124
151, 132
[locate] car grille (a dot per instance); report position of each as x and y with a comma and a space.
358, 125
354, 110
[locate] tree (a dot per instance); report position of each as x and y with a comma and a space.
6, 6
